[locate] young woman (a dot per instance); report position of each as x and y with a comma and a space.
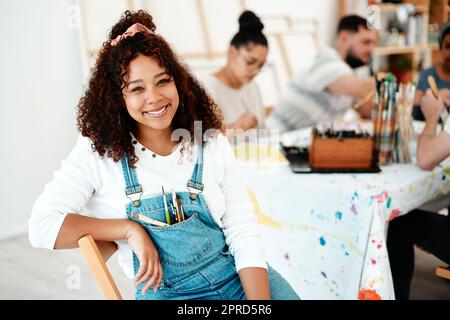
197, 238
232, 87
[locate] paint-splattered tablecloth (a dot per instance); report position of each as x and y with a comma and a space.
326, 232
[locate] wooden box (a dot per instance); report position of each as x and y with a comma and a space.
340, 153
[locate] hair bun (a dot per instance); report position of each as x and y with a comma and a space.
250, 23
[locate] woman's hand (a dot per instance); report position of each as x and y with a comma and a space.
431, 107
445, 95
247, 121
150, 267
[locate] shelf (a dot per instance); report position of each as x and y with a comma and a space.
391, 8
403, 50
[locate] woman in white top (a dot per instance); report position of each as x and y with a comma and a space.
232, 87
196, 240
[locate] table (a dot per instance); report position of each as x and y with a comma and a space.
326, 233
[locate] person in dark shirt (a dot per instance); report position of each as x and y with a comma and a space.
428, 230
440, 72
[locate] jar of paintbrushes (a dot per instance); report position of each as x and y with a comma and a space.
384, 117
404, 131
393, 122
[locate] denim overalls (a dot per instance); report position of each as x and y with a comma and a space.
193, 253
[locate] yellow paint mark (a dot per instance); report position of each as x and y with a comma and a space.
446, 170
251, 153
410, 189
263, 218
433, 176
375, 281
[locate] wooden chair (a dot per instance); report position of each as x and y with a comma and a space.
443, 272
99, 269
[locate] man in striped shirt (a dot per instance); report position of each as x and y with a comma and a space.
326, 90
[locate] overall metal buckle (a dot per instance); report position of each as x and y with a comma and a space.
194, 188
134, 193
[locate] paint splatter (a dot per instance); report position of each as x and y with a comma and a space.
339, 215
378, 246
322, 241
373, 241
286, 255
446, 170
410, 189
374, 262
323, 274
353, 209
381, 197
375, 281
347, 254
394, 214
388, 203
366, 294
443, 178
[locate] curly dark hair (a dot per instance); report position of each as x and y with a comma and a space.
101, 112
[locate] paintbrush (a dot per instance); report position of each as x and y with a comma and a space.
149, 220
166, 210
364, 100
435, 90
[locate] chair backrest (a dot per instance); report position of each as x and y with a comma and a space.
443, 272
99, 268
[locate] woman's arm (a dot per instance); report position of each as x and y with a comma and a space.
105, 232
432, 148
55, 224
255, 282
246, 121
76, 226
107, 249
240, 227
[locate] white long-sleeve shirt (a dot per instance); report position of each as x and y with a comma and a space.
93, 186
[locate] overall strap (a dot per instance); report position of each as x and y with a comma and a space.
133, 190
195, 184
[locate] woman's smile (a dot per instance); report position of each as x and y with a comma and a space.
157, 113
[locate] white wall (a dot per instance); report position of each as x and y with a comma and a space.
325, 11
42, 77
40, 83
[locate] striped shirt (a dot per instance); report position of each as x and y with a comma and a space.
306, 102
